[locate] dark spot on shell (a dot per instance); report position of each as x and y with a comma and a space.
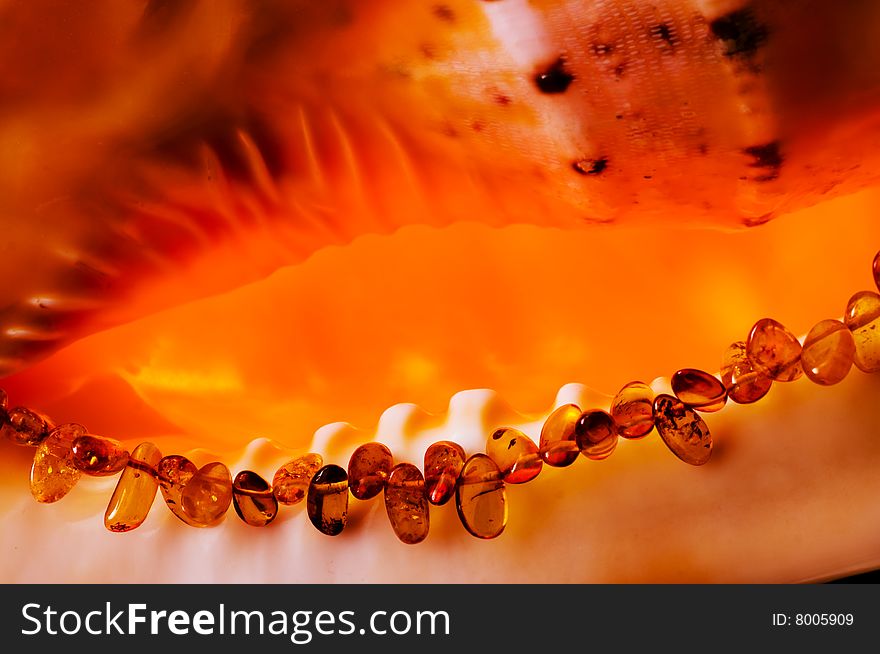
663, 33
497, 434
591, 166
511, 443
768, 157
754, 221
619, 69
703, 149
555, 78
503, 100
444, 13
477, 126
647, 177
619, 116
740, 32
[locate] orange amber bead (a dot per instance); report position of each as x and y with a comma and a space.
775, 351
135, 491
596, 434
683, 430
327, 500
25, 427
99, 457
480, 497
699, 390
828, 352
253, 499
862, 317
206, 497
368, 470
53, 473
558, 447
443, 463
291, 482
515, 454
632, 410
406, 504
876, 270
745, 384
174, 473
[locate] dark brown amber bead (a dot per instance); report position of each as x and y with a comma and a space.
368, 470
557, 446
744, 383
480, 497
25, 427
515, 454
443, 463
53, 473
135, 490
683, 430
253, 499
774, 350
327, 500
596, 434
291, 482
206, 497
862, 317
99, 457
876, 270
632, 410
699, 390
406, 504
828, 352
174, 473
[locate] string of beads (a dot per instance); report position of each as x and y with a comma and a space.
201, 497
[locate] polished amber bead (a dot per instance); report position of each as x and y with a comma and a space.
480, 497
327, 500
291, 482
632, 410
253, 499
699, 390
443, 463
828, 352
53, 473
745, 384
876, 270
98, 457
515, 454
173, 473
683, 430
775, 351
557, 445
25, 427
207, 495
406, 504
135, 491
862, 317
368, 470
596, 434
4, 399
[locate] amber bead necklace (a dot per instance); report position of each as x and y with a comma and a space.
200, 497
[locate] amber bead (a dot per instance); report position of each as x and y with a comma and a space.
699, 390
291, 482
327, 500
253, 499
557, 445
443, 463
25, 427
862, 317
515, 454
632, 410
99, 457
775, 351
173, 473
368, 470
828, 352
4, 399
406, 504
135, 491
745, 383
480, 497
596, 434
683, 430
53, 473
876, 270
206, 497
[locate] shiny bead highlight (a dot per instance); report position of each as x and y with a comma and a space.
632, 410
515, 454
98, 457
558, 447
443, 463
596, 434
327, 500
828, 352
699, 390
53, 473
253, 499
135, 491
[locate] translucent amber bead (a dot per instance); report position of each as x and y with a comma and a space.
775, 351
699, 390
25, 427
683, 430
863, 320
515, 454
206, 497
406, 504
98, 457
557, 446
135, 490
876, 270
596, 434
632, 410
828, 352
4, 399
368, 470
745, 384
291, 482
53, 473
253, 499
480, 497
443, 463
173, 473
327, 500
